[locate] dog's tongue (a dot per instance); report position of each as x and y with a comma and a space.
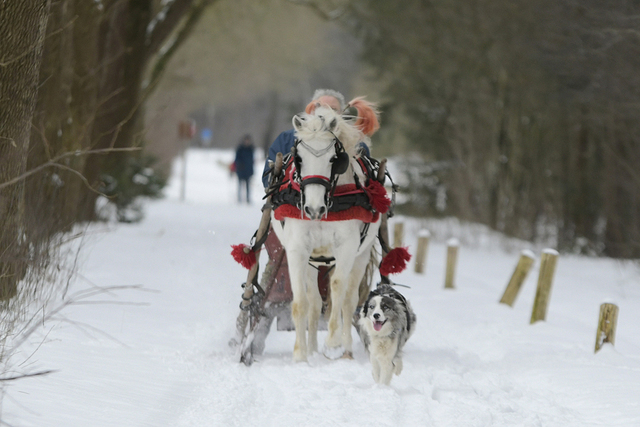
377, 325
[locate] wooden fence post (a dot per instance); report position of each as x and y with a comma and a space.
606, 325
421, 252
519, 274
452, 258
398, 234
548, 262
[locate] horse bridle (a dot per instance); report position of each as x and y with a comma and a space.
340, 164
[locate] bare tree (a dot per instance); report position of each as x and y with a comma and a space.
533, 103
22, 33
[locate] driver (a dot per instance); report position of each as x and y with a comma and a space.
365, 114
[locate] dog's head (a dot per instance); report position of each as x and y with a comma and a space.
381, 311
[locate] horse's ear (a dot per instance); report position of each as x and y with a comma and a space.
297, 122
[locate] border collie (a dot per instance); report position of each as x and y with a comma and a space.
386, 323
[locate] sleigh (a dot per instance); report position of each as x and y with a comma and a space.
269, 298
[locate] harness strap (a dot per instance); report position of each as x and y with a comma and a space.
364, 232
315, 179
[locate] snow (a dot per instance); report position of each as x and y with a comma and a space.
453, 242
159, 355
424, 233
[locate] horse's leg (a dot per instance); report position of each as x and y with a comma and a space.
345, 247
333, 348
315, 306
297, 272
351, 300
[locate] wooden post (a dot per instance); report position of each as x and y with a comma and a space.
519, 274
606, 325
452, 259
421, 252
548, 262
398, 234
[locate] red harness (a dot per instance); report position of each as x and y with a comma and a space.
354, 212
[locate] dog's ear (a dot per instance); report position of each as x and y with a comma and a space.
388, 303
365, 308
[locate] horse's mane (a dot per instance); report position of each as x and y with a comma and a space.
316, 124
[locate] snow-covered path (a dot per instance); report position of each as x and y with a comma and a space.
159, 356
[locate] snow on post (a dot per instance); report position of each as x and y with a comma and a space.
548, 262
452, 259
517, 279
421, 252
606, 325
398, 234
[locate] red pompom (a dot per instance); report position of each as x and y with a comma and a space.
395, 261
243, 255
378, 196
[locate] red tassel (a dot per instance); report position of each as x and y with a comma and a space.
395, 261
378, 196
243, 255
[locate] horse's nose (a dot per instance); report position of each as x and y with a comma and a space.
315, 213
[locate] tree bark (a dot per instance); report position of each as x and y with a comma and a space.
22, 33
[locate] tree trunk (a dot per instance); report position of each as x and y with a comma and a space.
63, 117
22, 34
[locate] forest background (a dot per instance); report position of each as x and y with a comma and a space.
519, 115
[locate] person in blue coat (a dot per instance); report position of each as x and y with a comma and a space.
286, 139
244, 167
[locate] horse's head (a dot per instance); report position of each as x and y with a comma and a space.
320, 158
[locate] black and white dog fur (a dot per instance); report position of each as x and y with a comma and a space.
386, 323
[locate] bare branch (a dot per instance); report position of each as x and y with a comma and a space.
36, 374
163, 24
36, 44
54, 162
171, 46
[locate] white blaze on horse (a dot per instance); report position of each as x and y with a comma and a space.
325, 158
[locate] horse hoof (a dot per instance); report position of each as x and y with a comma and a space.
347, 355
298, 357
333, 353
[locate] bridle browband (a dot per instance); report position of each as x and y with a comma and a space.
340, 165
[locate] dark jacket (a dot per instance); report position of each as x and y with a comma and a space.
283, 144
244, 161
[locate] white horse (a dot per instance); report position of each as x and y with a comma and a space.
320, 161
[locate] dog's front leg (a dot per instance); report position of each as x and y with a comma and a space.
397, 365
386, 371
375, 368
